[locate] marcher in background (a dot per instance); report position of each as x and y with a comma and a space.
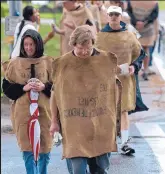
125, 17
85, 97
30, 18
17, 86
140, 106
102, 11
75, 14
143, 15
115, 37
96, 13
151, 48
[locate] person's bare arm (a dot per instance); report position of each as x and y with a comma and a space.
49, 36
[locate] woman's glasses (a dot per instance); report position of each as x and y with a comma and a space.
114, 14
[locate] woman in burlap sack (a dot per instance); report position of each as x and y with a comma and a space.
89, 106
17, 85
143, 16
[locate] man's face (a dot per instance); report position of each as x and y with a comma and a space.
114, 18
69, 5
85, 50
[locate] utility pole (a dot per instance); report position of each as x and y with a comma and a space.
15, 9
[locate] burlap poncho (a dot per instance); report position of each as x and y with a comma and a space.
86, 99
78, 18
96, 15
18, 70
141, 10
127, 48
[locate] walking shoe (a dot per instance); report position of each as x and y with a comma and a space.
126, 150
145, 76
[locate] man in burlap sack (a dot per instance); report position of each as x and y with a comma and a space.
116, 38
85, 96
143, 15
94, 8
74, 14
17, 85
140, 106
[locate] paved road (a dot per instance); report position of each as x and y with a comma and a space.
149, 158
147, 130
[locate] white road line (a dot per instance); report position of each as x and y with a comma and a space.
157, 146
150, 129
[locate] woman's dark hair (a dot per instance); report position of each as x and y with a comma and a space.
38, 43
27, 13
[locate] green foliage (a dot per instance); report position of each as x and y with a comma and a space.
162, 5
52, 47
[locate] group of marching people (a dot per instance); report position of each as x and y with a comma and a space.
87, 93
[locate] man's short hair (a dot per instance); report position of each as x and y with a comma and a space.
82, 35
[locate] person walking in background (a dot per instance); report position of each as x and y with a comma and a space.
30, 18
151, 48
74, 14
19, 86
143, 15
140, 106
115, 37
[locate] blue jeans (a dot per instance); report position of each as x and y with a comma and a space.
30, 164
78, 165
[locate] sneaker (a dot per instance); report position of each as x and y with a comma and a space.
126, 150
145, 76
151, 73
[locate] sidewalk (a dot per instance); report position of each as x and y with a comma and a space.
151, 93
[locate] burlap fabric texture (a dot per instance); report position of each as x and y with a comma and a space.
18, 70
86, 97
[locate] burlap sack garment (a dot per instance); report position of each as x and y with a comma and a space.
78, 18
18, 70
86, 99
127, 48
141, 10
96, 15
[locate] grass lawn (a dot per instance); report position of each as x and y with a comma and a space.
52, 47
162, 5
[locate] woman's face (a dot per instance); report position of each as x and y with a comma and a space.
29, 46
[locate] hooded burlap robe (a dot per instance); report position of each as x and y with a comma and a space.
77, 18
141, 10
127, 48
18, 70
86, 99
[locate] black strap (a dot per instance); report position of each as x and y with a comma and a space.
32, 70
